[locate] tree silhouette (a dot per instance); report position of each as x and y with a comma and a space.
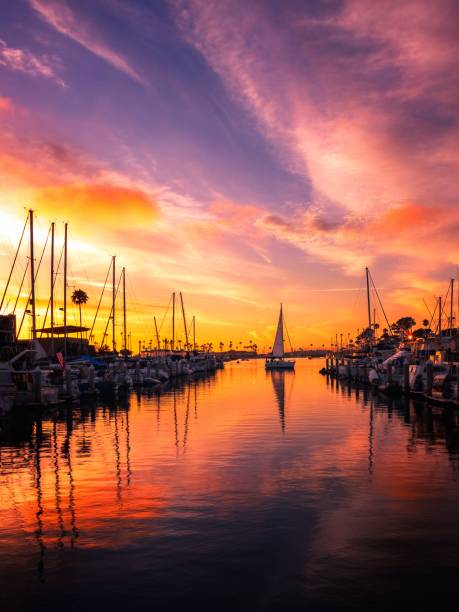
80, 297
406, 323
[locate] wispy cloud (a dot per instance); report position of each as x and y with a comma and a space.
27, 62
365, 111
61, 17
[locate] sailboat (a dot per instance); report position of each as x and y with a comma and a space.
276, 360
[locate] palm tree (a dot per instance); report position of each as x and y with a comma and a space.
80, 297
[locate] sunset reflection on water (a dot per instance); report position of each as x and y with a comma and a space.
248, 489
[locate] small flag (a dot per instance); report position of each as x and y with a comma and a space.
60, 358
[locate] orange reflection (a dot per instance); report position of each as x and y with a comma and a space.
107, 477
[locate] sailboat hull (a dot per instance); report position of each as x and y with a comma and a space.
279, 364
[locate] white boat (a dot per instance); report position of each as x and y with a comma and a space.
276, 360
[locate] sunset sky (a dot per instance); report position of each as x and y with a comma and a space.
244, 153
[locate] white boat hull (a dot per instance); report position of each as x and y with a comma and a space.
279, 364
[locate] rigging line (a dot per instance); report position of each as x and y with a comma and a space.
165, 314
426, 305
285, 325
357, 296
111, 313
444, 302
136, 306
17, 271
100, 300
190, 327
54, 284
135, 317
380, 303
433, 314
35, 280
20, 287
14, 263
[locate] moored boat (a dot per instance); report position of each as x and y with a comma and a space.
276, 360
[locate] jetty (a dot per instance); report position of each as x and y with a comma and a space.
423, 365
58, 365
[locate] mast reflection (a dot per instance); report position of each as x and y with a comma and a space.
278, 379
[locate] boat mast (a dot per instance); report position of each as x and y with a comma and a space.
184, 321
451, 308
32, 276
194, 333
158, 343
173, 321
65, 291
52, 288
368, 303
113, 305
124, 313
439, 316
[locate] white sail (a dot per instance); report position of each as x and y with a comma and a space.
278, 346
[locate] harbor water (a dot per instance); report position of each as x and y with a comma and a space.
244, 490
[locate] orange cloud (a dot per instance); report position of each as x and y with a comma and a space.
105, 205
406, 217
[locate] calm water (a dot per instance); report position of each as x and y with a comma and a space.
245, 491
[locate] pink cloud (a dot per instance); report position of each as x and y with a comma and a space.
62, 18
348, 145
372, 130
24, 61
